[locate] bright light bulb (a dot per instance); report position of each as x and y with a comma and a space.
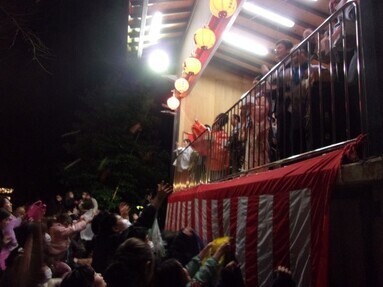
158, 61
155, 27
271, 16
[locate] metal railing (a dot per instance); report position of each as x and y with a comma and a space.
310, 102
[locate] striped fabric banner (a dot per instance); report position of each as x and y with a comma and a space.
275, 218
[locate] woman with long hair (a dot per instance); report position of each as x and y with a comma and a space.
132, 265
25, 266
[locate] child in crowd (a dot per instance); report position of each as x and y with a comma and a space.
60, 233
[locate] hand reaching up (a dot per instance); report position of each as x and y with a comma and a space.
163, 191
222, 250
124, 209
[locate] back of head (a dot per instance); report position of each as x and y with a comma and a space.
96, 222
104, 223
220, 120
69, 204
170, 273
87, 204
64, 219
81, 276
184, 247
23, 231
132, 265
287, 43
3, 200
4, 214
137, 232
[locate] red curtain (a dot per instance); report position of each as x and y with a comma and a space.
277, 217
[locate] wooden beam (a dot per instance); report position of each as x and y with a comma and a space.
309, 9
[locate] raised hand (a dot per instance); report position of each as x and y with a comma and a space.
163, 191
222, 250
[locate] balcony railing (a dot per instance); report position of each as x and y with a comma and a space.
310, 102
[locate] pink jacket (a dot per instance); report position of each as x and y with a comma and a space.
10, 233
60, 236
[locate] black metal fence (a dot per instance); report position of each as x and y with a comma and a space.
309, 102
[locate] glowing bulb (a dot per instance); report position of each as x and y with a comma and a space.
159, 61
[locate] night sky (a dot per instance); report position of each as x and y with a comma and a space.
86, 41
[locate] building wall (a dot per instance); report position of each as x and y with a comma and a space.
216, 91
356, 235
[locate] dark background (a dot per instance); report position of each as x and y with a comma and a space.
39, 91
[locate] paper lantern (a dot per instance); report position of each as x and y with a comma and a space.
181, 85
204, 38
173, 103
192, 66
223, 8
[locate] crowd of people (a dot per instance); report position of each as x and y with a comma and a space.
38, 249
308, 100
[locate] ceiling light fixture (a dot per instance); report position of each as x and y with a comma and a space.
244, 43
155, 27
269, 15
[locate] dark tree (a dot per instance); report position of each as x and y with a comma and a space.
117, 146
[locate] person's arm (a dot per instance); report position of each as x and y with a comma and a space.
76, 227
208, 271
195, 263
124, 210
95, 206
163, 191
148, 215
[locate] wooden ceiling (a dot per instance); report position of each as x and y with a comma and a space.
179, 16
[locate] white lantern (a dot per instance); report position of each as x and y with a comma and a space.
181, 85
173, 103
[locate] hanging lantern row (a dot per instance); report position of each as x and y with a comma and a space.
223, 8
204, 38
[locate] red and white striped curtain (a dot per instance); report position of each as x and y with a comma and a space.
278, 217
